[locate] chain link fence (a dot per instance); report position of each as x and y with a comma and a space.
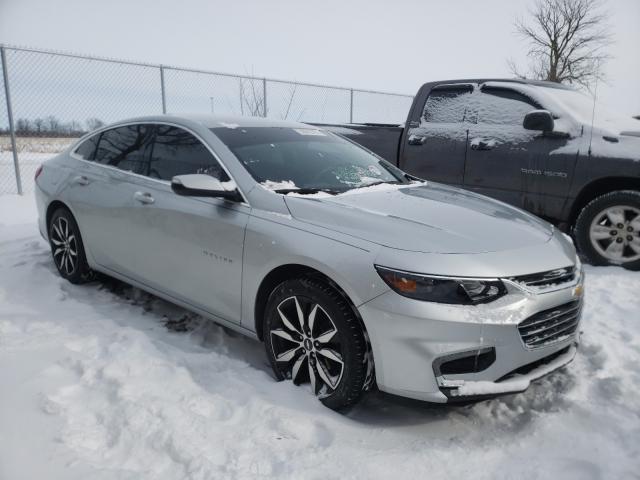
49, 99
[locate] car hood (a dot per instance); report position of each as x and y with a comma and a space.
431, 218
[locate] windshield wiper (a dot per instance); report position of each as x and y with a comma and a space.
380, 182
364, 185
306, 191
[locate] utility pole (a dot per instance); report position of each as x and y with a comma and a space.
211, 98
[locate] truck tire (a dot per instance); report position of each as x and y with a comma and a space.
607, 230
312, 336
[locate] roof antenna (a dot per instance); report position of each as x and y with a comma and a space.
595, 96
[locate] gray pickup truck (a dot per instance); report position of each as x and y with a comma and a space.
541, 146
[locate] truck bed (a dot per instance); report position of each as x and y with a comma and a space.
383, 139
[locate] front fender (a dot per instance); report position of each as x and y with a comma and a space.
270, 244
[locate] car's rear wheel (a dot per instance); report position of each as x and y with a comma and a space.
313, 337
67, 248
607, 230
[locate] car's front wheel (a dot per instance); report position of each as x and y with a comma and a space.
607, 230
313, 337
67, 248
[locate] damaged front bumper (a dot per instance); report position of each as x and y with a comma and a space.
514, 382
446, 353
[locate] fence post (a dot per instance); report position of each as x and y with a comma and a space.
351, 105
264, 97
12, 131
162, 91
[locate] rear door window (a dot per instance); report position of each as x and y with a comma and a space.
447, 105
126, 148
178, 152
87, 149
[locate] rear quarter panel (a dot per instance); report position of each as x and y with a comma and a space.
50, 186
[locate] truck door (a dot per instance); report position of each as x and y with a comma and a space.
435, 145
515, 165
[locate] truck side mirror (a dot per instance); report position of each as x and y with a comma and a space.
538, 120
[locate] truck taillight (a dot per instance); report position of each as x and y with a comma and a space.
38, 172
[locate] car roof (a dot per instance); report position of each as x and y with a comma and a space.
215, 121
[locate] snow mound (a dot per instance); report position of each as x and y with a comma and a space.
103, 381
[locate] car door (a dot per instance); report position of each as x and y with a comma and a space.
435, 145
522, 167
100, 191
189, 248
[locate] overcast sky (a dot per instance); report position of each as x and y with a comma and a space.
382, 45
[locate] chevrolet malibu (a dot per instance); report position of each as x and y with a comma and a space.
351, 272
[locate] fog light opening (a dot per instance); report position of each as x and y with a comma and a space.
472, 361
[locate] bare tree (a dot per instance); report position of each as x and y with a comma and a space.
292, 93
251, 97
93, 123
24, 125
567, 41
52, 124
73, 127
38, 123
253, 101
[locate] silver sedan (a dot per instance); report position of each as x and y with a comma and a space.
351, 272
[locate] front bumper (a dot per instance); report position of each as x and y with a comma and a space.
517, 381
411, 338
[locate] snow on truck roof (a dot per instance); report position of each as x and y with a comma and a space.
537, 83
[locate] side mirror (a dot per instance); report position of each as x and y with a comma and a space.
538, 120
200, 185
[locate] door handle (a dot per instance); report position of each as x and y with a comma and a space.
81, 180
416, 140
144, 197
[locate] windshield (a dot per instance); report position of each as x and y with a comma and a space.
306, 160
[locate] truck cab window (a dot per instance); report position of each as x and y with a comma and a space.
447, 106
499, 106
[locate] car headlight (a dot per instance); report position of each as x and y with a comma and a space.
459, 291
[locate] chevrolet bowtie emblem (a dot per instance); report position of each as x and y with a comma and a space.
578, 291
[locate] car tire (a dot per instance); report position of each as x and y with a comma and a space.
313, 336
607, 231
67, 248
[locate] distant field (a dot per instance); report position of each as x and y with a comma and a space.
36, 144
32, 151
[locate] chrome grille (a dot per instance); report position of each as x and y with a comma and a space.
548, 278
551, 326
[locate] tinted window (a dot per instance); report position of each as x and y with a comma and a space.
87, 149
126, 148
447, 106
177, 152
283, 158
502, 107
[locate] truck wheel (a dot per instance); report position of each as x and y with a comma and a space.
312, 336
607, 230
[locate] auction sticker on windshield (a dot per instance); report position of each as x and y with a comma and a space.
310, 131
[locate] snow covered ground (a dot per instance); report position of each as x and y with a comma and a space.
103, 381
